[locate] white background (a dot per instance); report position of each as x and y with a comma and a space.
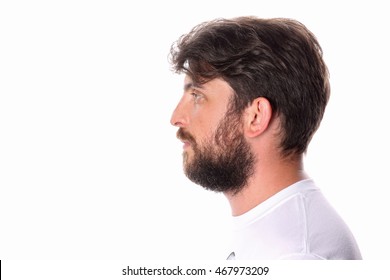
89, 164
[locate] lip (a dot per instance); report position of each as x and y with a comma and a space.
186, 144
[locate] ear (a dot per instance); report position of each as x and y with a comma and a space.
258, 117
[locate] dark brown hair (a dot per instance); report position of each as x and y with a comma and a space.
279, 59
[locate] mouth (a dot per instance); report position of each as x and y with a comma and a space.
186, 144
185, 138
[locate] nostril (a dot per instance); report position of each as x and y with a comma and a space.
179, 124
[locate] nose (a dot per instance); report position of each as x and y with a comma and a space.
179, 117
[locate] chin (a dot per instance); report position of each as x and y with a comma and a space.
186, 157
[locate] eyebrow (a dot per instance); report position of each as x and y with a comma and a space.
191, 85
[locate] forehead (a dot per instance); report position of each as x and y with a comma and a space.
216, 85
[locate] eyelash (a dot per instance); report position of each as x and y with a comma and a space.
196, 95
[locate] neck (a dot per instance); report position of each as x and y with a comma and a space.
269, 178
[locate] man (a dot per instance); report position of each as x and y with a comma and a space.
255, 92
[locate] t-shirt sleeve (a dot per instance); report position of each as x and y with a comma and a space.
302, 257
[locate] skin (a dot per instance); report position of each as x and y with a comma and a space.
199, 112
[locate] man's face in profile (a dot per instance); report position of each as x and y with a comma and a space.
216, 154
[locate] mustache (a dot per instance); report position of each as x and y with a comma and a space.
185, 136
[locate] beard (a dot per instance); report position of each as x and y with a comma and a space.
223, 163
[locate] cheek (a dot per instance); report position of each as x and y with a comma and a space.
205, 121
206, 132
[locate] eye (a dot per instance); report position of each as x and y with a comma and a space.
196, 96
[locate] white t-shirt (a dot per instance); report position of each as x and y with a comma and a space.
296, 223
